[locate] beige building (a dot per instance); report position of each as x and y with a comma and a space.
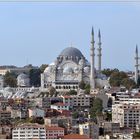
82, 101
36, 112
127, 114
54, 132
18, 70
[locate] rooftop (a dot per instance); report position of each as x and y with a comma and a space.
75, 136
54, 128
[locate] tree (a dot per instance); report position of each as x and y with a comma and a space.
108, 116
108, 72
109, 103
34, 75
75, 115
136, 135
128, 83
52, 91
43, 67
87, 89
82, 85
10, 79
97, 108
119, 78
72, 92
116, 78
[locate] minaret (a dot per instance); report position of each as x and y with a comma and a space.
136, 64
99, 52
92, 61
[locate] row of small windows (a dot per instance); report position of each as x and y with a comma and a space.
66, 87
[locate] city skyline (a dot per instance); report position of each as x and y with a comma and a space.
36, 33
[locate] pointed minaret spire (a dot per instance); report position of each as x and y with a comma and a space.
136, 65
99, 52
92, 60
136, 49
92, 36
99, 34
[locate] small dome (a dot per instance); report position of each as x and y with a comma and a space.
81, 62
22, 76
23, 80
76, 69
86, 69
71, 52
52, 64
59, 68
68, 70
48, 69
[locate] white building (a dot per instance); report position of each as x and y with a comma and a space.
89, 129
29, 131
1, 81
127, 114
60, 106
23, 80
71, 67
36, 112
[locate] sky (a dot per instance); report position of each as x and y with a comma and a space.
36, 32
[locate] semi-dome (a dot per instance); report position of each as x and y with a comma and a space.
71, 52
68, 70
47, 69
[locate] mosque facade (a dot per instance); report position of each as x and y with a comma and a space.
71, 67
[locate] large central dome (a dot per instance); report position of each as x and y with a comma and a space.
71, 52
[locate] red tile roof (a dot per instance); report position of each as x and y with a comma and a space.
75, 136
60, 104
66, 96
54, 128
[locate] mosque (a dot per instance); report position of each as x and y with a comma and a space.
71, 67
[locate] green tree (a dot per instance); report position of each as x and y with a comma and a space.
116, 78
136, 135
72, 92
87, 89
10, 79
128, 83
52, 91
43, 67
34, 75
75, 115
108, 72
97, 108
82, 85
109, 116
109, 103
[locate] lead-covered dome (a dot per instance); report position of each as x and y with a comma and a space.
71, 52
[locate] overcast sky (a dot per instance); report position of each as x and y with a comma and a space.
36, 32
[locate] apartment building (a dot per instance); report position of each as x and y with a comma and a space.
91, 130
60, 106
82, 101
5, 116
54, 132
29, 131
127, 114
36, 112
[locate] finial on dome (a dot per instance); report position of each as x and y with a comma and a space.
71, 45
